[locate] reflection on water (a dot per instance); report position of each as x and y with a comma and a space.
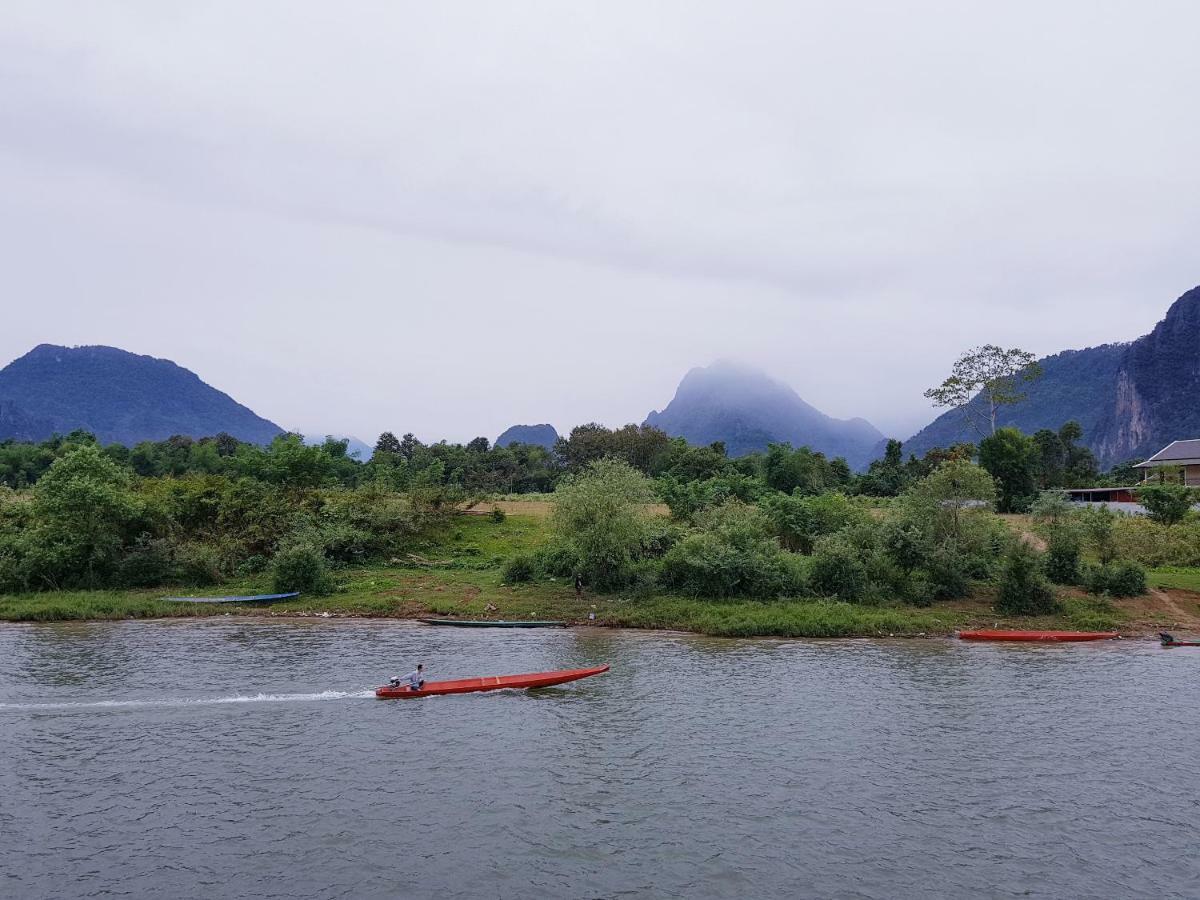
239, 758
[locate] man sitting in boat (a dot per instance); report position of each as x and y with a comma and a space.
415, 678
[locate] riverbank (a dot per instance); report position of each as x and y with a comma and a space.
456, 572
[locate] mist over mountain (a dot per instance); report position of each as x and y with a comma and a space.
540, 435
120, 397
1131, 399
749, 410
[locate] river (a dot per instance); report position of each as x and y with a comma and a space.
245, 758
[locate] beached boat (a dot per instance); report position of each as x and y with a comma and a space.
1168, 640
488, 683
1050, 636
250, 598
494, 623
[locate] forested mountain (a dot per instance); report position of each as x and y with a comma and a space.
537, 435
748, 410
118, 396
1131, 399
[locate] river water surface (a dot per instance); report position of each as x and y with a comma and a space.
242, 758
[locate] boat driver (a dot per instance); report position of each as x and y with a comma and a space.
415, 678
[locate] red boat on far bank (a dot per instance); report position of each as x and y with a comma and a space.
488, 683
1046, 636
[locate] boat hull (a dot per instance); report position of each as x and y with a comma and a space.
488, 683
246, 600
1038, 636
498, 623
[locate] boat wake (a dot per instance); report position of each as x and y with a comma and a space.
191, 701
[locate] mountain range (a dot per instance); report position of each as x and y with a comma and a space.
118, 396
1132, 399
749, 410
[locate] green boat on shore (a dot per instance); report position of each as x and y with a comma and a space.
495, 623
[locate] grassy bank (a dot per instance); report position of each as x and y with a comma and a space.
456, 571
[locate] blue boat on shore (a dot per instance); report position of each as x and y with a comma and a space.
493, 623
251, 598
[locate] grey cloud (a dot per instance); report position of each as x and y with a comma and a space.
821, 186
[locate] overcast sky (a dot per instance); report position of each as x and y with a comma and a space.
448, 218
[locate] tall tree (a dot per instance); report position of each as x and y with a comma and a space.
1011, 458
387, 443
983, 380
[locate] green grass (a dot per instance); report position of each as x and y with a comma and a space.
1174, 577
807, 618
1087, 614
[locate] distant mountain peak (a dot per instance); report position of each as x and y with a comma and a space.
119, 396
748, 409
543, 435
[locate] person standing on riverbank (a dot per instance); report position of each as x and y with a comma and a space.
578, 586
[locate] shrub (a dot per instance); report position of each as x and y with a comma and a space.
199, 564
703, 565
661, 535
498, 515
838, 571
946, 571
520, 568
301, 568
252, 565
556, 559
1062, 559
919, 590
148, 563
84, 512
800, 521
904, 543
1099, 528
1117, 579
1167, 504
1023, 589
600, 515
1141, 540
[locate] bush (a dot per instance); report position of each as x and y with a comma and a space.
702, 565
1062, 559
1153, 545
518, 569
498, 515
1167, 504
838, 571
149, 563
301, 568
557, 560
947, 573
601, 516
919, 590
800, 521
1117, 579
252, 565
1023, 589
199, 564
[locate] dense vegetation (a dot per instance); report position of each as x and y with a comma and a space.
776, 526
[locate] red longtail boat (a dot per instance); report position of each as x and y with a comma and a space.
488, 683
1047, 636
